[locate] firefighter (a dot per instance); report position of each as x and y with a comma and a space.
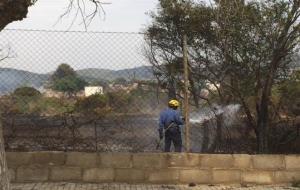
169, 126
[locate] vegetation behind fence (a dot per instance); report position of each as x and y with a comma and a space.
100, 92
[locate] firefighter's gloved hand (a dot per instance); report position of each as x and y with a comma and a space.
161, 134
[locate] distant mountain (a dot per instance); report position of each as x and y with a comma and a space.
94, 74
139, 73
10, 79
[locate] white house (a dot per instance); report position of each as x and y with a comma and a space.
91, 90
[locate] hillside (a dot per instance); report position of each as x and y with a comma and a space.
13, 78
95, 74
140, 73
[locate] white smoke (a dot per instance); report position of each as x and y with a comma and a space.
229, 113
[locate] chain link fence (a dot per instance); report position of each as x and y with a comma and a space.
96, 92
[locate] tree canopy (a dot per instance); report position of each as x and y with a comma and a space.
62, 71
65, 79
26, 92
241, 48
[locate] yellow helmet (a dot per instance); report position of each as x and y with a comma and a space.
174, 103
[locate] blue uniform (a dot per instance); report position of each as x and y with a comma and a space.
173, 133
168, 116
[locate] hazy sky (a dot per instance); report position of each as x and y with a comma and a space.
42, 52
120, 16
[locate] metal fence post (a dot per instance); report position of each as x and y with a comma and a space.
186, 95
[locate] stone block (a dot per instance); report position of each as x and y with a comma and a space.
115, 160
292, 162
157, 161
15, 159
32, 174
183, 160
217, 161
83, 160
287, 176
65, 174
266, 162
48, 158
12, 175
257, 177
129, 175
195, 176
163, 176
98, 175
242, 161
226, 176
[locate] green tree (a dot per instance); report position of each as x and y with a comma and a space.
65, 79
165, 40
242, 48
62, 71
257, 41
22, 99
290, 93
69, 85
26, 91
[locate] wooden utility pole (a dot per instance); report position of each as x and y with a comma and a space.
186, 94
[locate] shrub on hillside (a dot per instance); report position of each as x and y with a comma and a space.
94, 104
26, 91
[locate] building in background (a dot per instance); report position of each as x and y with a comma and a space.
91, 90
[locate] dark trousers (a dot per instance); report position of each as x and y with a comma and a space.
173, 135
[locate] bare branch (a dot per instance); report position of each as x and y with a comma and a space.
5, 53
80, 6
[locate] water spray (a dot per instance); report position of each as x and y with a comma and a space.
209, 113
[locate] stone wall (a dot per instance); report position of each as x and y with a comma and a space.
153, 168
